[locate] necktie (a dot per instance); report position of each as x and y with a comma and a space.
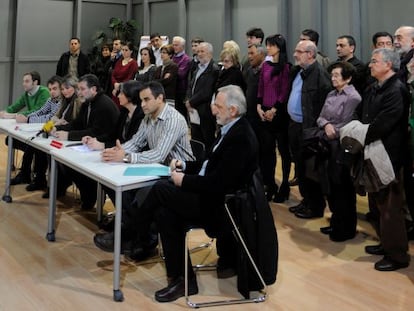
89, 112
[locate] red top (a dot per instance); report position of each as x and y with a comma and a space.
123, 73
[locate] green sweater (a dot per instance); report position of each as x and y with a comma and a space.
31, 103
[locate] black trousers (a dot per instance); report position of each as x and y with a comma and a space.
310, 190
206, 130
269, 135
175, 211
30, 154
87, 186
342, 202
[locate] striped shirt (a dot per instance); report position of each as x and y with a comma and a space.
46, 112
166, 137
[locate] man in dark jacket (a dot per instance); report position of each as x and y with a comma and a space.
73, 62
97, 118
199, 96
196, 193
345, 49
385, 108
310, 83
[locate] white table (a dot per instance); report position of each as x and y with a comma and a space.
25, 133
108, 174
89, 164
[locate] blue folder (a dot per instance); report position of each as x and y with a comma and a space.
147, 171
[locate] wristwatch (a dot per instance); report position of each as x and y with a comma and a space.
127, 158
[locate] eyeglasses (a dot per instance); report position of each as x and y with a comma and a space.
375, 61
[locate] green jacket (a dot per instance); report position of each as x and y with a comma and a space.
31, 103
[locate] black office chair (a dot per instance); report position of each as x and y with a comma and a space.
199, 149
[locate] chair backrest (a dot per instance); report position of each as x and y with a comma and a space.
199, 149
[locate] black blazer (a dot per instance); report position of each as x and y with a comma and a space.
204, 87
230, 167
101, 123
232, 75
170, 83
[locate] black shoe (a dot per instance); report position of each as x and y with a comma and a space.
142, 253
175, 290
307, 213
375, 249
105, 242
20, 178
36, 185
293, 182
387, 264
295, 208
283, 194
326, 230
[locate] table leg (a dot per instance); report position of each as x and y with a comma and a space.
118, 296
50, 236
10, 156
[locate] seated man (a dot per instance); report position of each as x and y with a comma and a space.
34, 97
97, 117
161, 137
44, 114
196, 193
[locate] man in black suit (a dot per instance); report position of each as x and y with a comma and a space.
195, 193
200, 93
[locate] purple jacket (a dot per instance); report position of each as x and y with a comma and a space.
184, 64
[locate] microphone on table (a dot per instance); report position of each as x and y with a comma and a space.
46, 128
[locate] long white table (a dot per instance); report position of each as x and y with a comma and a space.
89, 164
108, 174
25, 133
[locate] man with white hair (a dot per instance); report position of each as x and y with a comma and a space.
200, 93
183, 62
404, 46
196, 192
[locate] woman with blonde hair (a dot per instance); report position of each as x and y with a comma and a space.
230, 72
71, 104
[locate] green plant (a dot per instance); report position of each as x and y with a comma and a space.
123, 30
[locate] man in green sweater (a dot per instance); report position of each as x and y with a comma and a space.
34, 97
